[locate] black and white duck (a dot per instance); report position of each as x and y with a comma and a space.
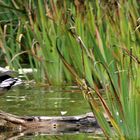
7, 80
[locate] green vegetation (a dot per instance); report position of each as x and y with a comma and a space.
95, 44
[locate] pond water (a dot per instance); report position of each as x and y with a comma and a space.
45, 101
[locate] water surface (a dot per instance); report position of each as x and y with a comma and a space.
46, 101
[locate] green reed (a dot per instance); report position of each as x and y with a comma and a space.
95, 44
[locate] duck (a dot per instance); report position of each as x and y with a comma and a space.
7, 80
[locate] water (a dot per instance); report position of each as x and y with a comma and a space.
45, 101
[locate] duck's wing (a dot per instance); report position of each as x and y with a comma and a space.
10, 82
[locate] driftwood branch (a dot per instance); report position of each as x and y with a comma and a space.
44, 122
19, 126
11, 118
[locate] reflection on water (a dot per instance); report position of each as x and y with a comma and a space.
52, 101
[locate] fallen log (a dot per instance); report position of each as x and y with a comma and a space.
47, 124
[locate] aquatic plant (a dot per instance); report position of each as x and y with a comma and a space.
92, 43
